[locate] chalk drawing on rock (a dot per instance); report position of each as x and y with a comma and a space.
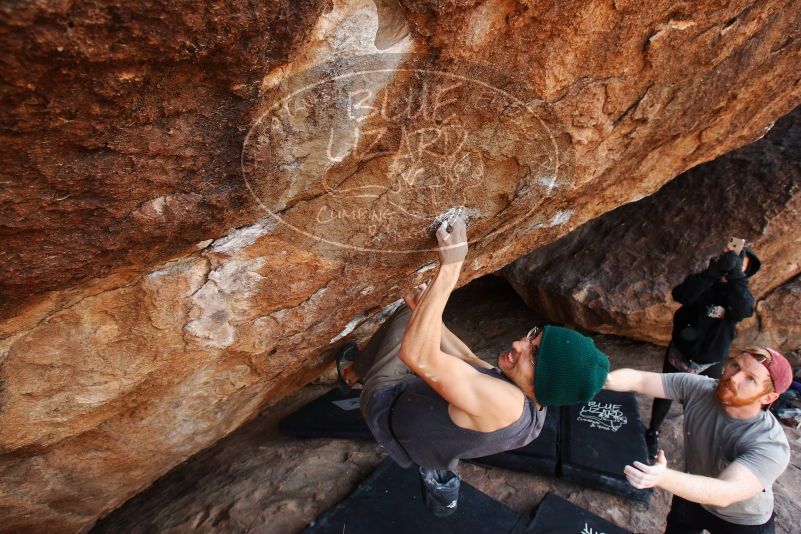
364, 153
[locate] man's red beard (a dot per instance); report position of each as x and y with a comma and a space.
726, 393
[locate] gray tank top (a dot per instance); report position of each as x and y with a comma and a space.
422, 426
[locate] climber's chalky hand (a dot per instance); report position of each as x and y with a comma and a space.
453, 245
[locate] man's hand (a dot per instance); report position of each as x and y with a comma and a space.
416, 295
453, 245
638, 381
611, 382
643, 476
724, 264
736, 271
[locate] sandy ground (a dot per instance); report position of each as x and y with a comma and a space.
257, 480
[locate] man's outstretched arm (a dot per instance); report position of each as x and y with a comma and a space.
452, 378
421, 341
641, 382
735, 483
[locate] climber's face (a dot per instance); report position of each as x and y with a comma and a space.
519, 361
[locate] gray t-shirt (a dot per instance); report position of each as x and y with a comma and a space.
713, 440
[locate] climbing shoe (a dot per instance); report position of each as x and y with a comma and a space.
440, 491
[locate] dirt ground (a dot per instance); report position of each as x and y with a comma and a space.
257, 480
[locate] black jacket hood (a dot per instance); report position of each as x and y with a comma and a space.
754, 263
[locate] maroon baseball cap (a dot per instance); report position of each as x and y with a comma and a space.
781, 372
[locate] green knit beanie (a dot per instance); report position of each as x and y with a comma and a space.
569, 368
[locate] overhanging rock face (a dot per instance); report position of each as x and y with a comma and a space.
615, 273
777, 321
201, 201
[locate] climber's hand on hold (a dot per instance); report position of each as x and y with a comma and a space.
414, 297
453, 245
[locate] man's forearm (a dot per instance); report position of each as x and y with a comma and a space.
424, 331
692, 287
453, 345
623, 380
697, 488
641, 382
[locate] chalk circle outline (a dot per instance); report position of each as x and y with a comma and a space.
529, 109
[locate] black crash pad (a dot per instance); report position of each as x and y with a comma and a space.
598, 439
541, 456
334, 415
390, 502
556, 515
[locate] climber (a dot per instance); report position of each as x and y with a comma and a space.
734, 447
712, 303
430, 401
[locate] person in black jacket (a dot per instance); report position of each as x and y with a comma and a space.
712, 303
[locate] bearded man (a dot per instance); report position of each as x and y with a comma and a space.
734, 447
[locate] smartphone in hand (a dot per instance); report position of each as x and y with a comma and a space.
735, 245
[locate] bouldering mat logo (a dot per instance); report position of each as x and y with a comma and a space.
365, 153
590, 530
605, 416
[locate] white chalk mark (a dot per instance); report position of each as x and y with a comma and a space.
350, 327
225, 297
242, 237
561, 217
427, 267
549, 183
450, 215
533, 226
366, 290
389, 309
